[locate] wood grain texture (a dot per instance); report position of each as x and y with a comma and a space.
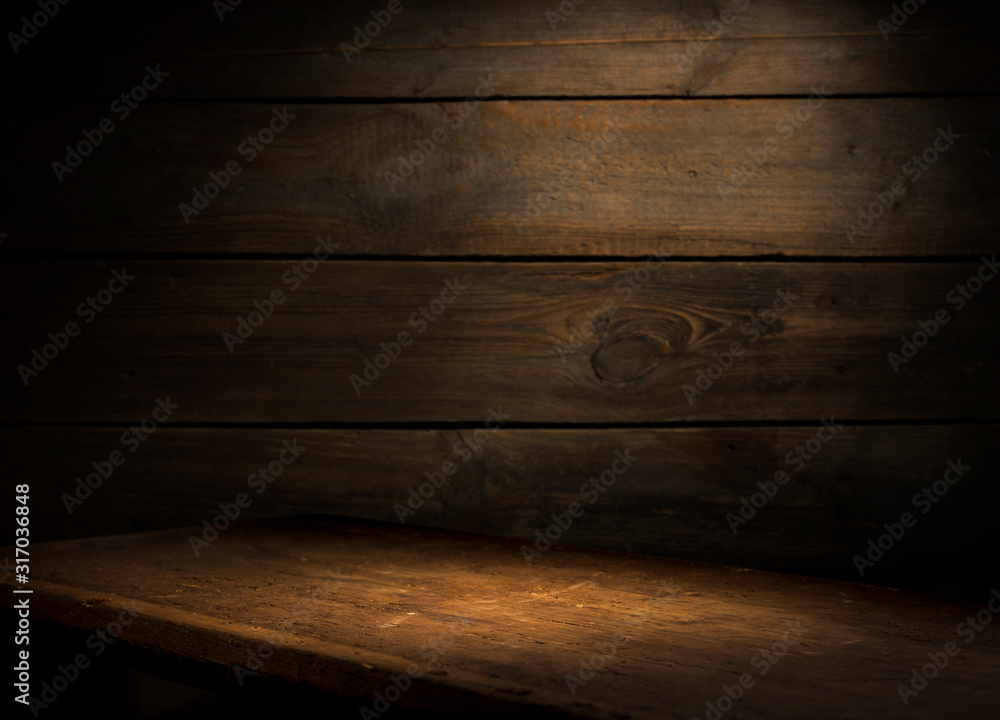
342, 608
608, 178
436, 49
506, 340
674, 500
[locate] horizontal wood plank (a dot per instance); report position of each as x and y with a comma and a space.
681, 496
684, 178
436, 49
526, 336
341, 609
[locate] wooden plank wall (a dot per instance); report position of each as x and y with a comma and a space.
561, 219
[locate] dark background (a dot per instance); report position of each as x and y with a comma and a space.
653, 189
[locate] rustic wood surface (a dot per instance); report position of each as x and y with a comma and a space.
667, 182
675, 500
653, 189
344, 608
436, 49
505, 340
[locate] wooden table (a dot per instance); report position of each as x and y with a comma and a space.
464, 625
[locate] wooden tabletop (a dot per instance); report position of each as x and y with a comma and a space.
379, 614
